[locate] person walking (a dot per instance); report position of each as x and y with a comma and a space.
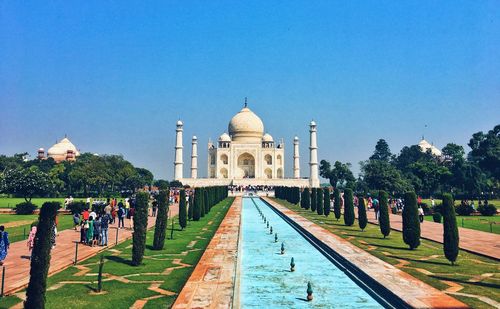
376, 207
104, 229
31, 239
76, 219
90, 232
420, 214
121, 218
4, 244
53, 234
97, 231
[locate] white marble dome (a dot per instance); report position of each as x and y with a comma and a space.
224, 138
425, 145
246, 126
267, 138
60, 150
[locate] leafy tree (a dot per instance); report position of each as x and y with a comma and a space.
307, 198
161, 184
145, 176
486, 151
381, 175
348, 208
26, 183
182, 209
362, 219
319, 201
140, 227
326, 201
382, 151
411, 224
40, 260
383, 217
450, 235
337, 204
175, 184
161, 220
314, 197
340, 176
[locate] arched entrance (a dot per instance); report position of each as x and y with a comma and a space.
246, 166
279, 173
269, 173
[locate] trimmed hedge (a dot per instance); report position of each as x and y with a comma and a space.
326, 201
337, 204
464, 210
314, 198
77, 207
383, 217
411, 223
198, 196
487, 210
319, 201
450, 234
182, 209
348, 208
140, 227
307, 199
161, 220
362, 219
436, 217
25, 208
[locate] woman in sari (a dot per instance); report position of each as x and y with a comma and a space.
31, 239
90, 231
4, 244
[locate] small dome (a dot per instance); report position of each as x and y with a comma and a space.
224, 138
59, 151
179, 123
195, 138
425, 145
246, 126
267, 138
41, 150
313, 123
296, 138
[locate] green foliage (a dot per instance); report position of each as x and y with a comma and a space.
161, 184
337, 203
306, 198
191, 207
436, 217
348, 208
314, 199
464, 210
175, 184
319, 201
411, 223
26, 183
25, 208
198, 201
40, 261
450, 235
206, 201
487, 210
161, 220
182, 209
362, 219
140, 227
203, 203
486, 152
384, 222
340, 176
77, 207
382, 151
326, 201
381, 175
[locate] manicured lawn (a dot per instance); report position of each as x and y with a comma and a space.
426, 263
480, 223
18, 226
167, 269
11, 202
457, 202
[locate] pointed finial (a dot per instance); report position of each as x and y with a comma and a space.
246, 103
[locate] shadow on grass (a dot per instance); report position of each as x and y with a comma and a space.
420, 261
93, 289
390, 247
119, 259
363, 236
483, 284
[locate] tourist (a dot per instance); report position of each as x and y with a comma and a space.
84, 226
472, 205
420, 214
85, 214
433, 203
76, 219
107, 209
104, 229
53, 234
4, 244
113, 214
93, 215
31, 239
376, 208
97, 231
154, 208
121, 218
88, 202
130, 216
90, 232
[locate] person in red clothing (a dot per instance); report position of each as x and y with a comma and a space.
85, 215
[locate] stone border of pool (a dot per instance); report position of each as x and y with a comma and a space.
396, 286
212, 283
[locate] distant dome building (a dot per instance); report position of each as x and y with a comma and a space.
425, 145
64, 150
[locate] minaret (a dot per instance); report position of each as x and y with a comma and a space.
313, 161
194, 157
296, 158
178, 163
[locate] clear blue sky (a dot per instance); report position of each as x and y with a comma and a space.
116, 76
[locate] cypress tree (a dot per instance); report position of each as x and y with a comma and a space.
411, 224
314, 197
362, 219
307, 198
140, 227
383, 218
319, 200
450, 235
207, 201
302, 199
203, 203
326, 202
336, 204
161, 220
40, 260
348, 208
191, 206
182, 209
197, 204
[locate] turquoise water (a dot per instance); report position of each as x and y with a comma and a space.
265, 277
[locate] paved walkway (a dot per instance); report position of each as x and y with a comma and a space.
487, 244
17, 264
212, 282
411, 290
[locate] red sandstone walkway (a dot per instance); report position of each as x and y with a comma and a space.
414, 292
212, 282
17, 265
487, 244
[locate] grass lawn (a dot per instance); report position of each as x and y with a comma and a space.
11, 202
457, 202
19, 225
480, 223
123, 284
426, 263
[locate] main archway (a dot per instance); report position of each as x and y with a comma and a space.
246, 166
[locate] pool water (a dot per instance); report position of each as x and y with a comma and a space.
265, 277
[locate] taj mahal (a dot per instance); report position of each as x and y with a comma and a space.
246, 155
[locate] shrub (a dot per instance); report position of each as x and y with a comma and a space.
336, 204
450, 235
425, 208
40, 259
383, 217
140, 227
307, 198
191, 206
436, 217
437, 208
161, 220
362, 219
464, 210
314, 197
326, 201
411, 223
487, 210
25, 208
319, 202
207, 201
182, 209
348, 208
203, 203
77, 207
198, 195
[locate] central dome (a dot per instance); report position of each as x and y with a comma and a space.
246, 127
